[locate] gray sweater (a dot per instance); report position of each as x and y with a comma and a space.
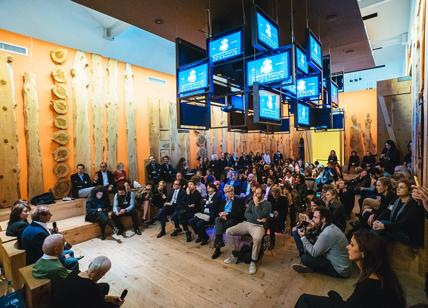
253, 212
331, 244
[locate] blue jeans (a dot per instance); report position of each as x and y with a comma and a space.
319, 264
298, 241
71, 262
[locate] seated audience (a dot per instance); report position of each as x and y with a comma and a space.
179, 177
328, 255
354, 161
257, 214
124, 205
200, 186
49, 266
81, 290
402, 221
184, 211
144, 200
104, 177
390, 156
159, 196
346, 197
279, 204
377, 286
119, 175
210, 209
97, 209
81, 183
34, 235
18, 220
420, 193
167, 171
230, 215
336, 208
368, 160
153, 170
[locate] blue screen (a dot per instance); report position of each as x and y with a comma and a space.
226, 47
301, 61
308, 87
291, 88
315, 50
338, 120
268, 69
302, 114
192, 79
267, 32
237, 103
334, 98
269, 105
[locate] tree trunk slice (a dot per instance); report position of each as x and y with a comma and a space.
9, 168
80, 99
59, 91
59, 55
60, 106
61, 189
60, 154
61, 122
61, 170
98, 108
130, 123
61, 136
112, 107
58, 74
32, 134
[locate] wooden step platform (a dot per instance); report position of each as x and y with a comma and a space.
12, 260
37, 291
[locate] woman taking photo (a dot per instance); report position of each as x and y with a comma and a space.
377, 286
18, 219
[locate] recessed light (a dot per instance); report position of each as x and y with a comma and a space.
158, 21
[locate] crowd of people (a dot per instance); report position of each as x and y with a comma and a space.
252, 195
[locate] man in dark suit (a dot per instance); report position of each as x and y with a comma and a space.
34, 235
176, 198
81, 183
105, 178
232, 214
153, 170
167, 171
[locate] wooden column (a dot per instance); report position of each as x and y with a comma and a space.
130, 122
112, 107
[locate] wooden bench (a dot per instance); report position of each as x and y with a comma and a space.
37, 291
12, 259
6, 238
406, 258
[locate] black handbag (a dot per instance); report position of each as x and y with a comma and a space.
45, 198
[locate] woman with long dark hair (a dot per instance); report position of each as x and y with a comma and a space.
377, 286
390, 156
18, 219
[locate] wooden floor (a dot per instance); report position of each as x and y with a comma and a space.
169, 272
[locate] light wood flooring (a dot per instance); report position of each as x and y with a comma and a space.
169, 272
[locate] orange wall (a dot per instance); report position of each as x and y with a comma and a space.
38, 62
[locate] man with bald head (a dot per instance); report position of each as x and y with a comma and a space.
49, 266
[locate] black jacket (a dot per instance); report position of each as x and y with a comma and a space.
238, 208
167, 172
153, 171
77, 183
110, 178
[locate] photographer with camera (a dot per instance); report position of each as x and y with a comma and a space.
328, 254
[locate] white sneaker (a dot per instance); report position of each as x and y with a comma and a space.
253, 268
231, 259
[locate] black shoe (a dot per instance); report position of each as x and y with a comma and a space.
219, 244
138, 231
216, 253
162, 233
198, 239
204, 241
121, 232
103, 237
149, 222
176, 232
188, 236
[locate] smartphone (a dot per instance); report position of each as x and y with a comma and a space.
123, 295
54, 227
416, 180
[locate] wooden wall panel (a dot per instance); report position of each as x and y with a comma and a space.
98, 108
112, 109
154, 127
32, 134
174, 133
9, 170
79, 84
130, 110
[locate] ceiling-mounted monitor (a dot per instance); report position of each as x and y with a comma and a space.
334, 95
302, 115
338, 120
193, 79
225, 46
268, 69
267, 106
291, 90
194, 116
265, 31
314, 51
308, 88
187, 52
301, 61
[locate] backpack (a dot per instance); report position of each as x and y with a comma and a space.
244, 254
45, 198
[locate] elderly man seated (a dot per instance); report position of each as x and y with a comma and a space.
49, 266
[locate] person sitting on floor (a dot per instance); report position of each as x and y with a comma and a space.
279, 204
124, 205
186, 210
34, 235
403, 220
18, 220
49, 266
328, 255
97, 208
210, 211
231, 215
257, 214
336, 208
104, 177
176, 198
377, 286
81, 183
81, 290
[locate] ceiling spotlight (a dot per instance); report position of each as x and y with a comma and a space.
158, 21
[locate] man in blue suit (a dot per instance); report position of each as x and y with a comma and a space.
34, 235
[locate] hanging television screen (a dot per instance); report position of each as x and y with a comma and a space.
225, 47
338, 120
301, 61
314, 50
270, 69
290, 89
194, 115
238, 103
193, 79
267, 32
269, 105
308, 88
303, 115
334, 94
